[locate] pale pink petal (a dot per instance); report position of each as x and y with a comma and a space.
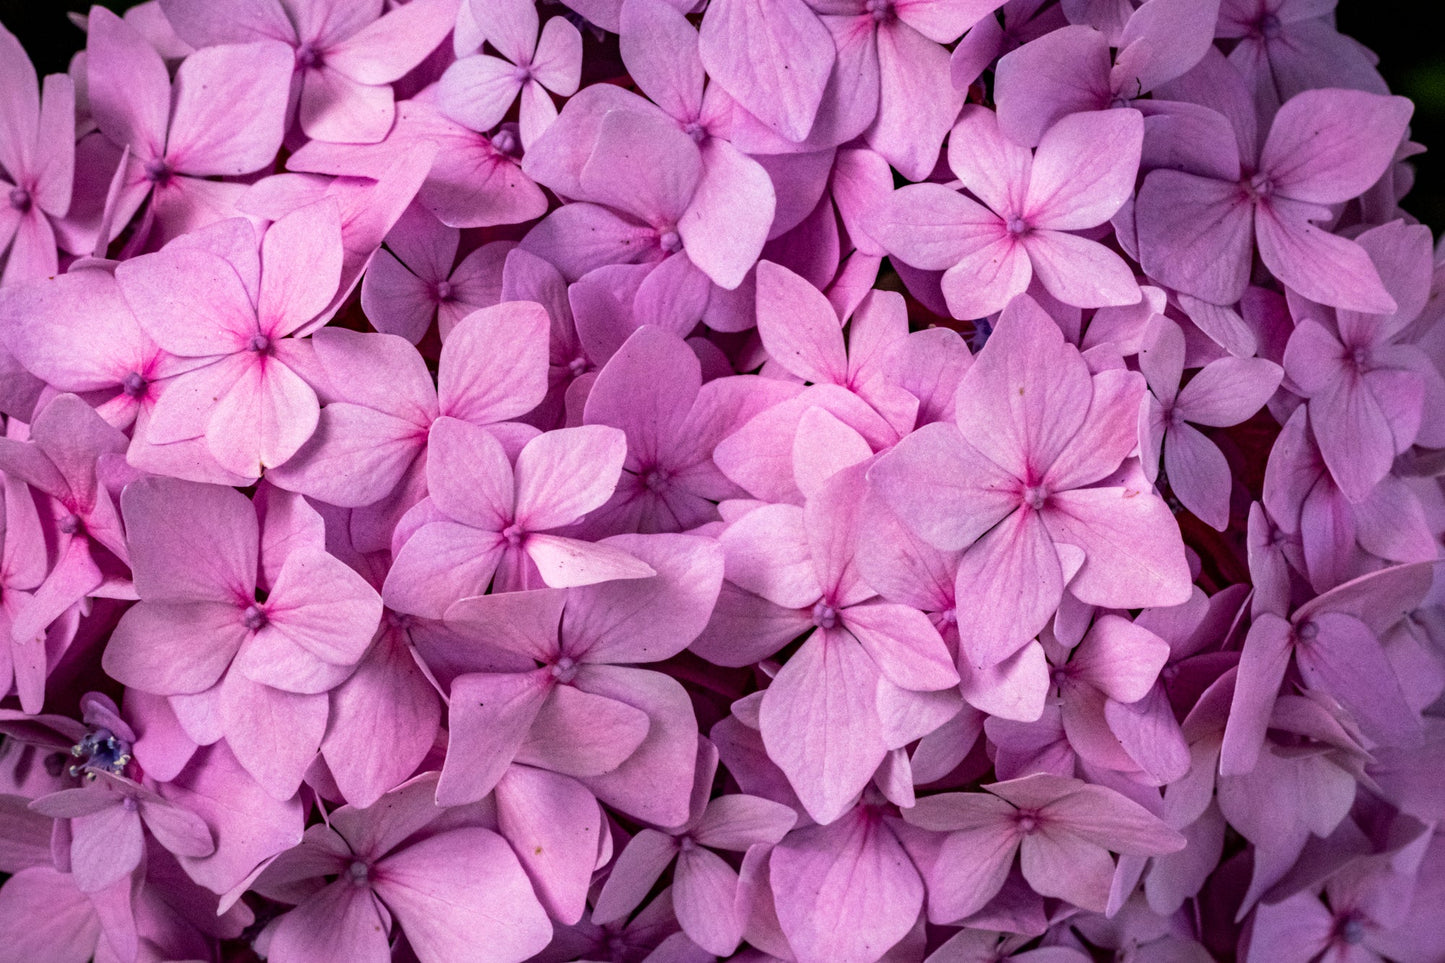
1262, 664
554, 825
469, 476
972, 865
903, 643
170, 290
728, 217
1112, 821
300, 268
441, 563
1323, 267
510, 26
174, 647
644, 165
129, 89
943, 488
1014, 566
931, 227
489, 717
446, 888
1195, 234
1131, 542
1327, 146
274, 734
340, 924
1063, 72
356, 457
916, 101
336, 108
704, 891
230, 108
736, 822
1338, 654
655, 782
767, 553
1198, 475
1067, 866
1080, 272
48, 917
820, 725
566, 562
639, 866
798, 327
494, 363
659, 47
173, 559
783, 89
1226, 392
846, 891
557, 64
384, 50
266, 416
324, 606
564, 474
990, 165
1120, 658
1016, 688
1084, 169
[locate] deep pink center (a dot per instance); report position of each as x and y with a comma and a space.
20, 199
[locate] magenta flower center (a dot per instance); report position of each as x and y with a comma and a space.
1359, 359
1351, 930
1028, 821
1260, 186
99, 750
505, 142
670, 241
358, 872
1016, 225
1034, 496
259, 343
824, 615
253, 618
564, 670
444, 291
157, 171
1307, 632
513, 534
20, 199
578, 365
70, 524
656, 480
307, 57
134, 384
1268, 26
694, 130
880, 10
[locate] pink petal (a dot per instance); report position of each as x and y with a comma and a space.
798, 327
1081, 272
1120, 658
389, 703
973, 863
1067, 866
336, 108
564, 474
644, 165
1063, 72
1195, 234
704, 891
566, 562
174, 647
274, 734
782, 91
1084, 169
267, 415
903, 643
340, 923
553, 824
1262, 664
357, 457
916, 101
301, 268
494, 364
736, 822
1327, 146
638, 867
942, 488
50, 919
931, 227
728, 217
1319, 265
510, 25
655, 782
443, 887
387, 48
169, 290
1016, 567
173, 560
1230, 390
820, 725
230, 108
1341, 656
129, 89
1199, 475
846, 891
1112, 821
443, 562
324, 606
557, 64
1131, 543
489, 717
660, 49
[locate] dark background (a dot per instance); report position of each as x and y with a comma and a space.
1400, 31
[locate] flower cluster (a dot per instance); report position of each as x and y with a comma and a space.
823, 481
